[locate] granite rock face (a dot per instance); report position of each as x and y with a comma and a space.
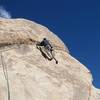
25, 74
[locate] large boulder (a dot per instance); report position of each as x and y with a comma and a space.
25, 74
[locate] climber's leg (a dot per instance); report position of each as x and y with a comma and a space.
47, 50
48, 53
56, 60
53, 57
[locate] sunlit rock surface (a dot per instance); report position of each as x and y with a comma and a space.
26, 75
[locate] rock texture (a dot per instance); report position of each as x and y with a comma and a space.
26, 75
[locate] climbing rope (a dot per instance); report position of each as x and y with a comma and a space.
5, 75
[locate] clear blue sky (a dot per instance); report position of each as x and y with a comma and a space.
76, 22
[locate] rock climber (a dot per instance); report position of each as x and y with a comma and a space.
46, 44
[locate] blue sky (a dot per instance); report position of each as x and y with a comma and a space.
76, 22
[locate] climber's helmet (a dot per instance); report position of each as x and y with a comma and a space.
44, 39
